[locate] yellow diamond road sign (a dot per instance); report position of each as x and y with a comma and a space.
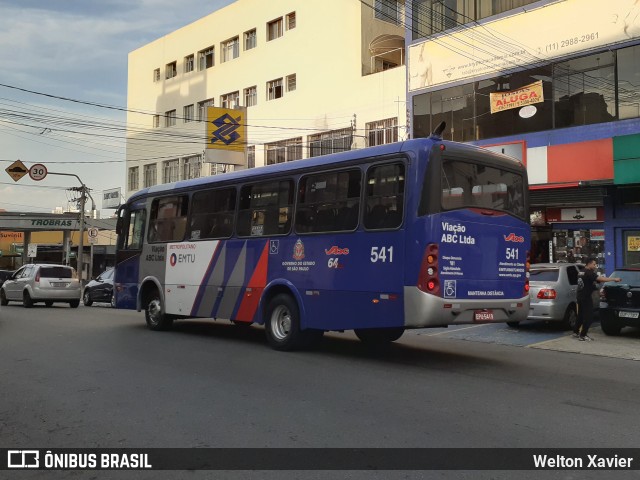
17, 170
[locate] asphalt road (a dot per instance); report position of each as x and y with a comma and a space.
96, 377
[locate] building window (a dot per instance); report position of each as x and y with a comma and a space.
291, 20
189, 62
250, 39
433, 16
170, 118
187, 113
192, 167
274, 89
134, 178
156, 121
581, 91
170, 171
230, 100
291, 82
584, 90
628, 81
171, 70
387, 11
284, 151
330, 142
250, 96
150, 175
205, 58
382, 132
274, 29
251, 156
156, 75
202, 109
230, 49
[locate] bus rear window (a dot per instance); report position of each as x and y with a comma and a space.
473, 185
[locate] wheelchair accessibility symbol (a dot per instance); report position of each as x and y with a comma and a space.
274, 246
450, 289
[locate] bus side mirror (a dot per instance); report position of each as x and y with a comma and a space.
119, 221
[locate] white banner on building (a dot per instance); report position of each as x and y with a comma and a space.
111, 198
549, 32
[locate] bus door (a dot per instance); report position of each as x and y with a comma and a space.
130, 230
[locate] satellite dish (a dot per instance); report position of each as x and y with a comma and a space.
527, 111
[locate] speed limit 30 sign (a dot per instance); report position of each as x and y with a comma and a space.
38, 172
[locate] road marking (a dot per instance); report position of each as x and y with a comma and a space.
537, 344
456, 330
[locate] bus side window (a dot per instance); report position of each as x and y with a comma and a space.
265, 209
329, 202
385, 196
168, 219
212, 213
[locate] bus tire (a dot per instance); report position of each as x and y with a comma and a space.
513, 324
154, 312
282, 325
378, 336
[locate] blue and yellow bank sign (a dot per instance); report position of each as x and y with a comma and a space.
226, 129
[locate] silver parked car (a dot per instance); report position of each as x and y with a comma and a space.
42, 283
553, 291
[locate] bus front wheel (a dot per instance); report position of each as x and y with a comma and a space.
154, 313
282, 325
378, 336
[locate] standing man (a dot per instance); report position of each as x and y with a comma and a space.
590, 281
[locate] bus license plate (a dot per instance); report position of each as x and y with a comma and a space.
483, 316
628, 314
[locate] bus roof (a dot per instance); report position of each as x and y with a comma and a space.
324, 160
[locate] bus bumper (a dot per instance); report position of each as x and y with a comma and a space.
424, 310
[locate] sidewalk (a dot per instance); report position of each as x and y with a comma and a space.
626, 345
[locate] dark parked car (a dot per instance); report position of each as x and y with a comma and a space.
100, 289
5, 275
620, 302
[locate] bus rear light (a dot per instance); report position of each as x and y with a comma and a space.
428, 279
527, 274
547, 293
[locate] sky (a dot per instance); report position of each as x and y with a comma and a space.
52, 50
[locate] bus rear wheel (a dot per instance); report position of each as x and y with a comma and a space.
154, 312
379, 336
282, 325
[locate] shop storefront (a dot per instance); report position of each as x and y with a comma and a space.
568, 235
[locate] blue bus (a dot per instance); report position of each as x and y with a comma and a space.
421, 233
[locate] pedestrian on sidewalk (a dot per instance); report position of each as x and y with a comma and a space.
588, 284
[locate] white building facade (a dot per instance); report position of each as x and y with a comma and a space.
316, 76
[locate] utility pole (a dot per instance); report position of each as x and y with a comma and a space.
84, 193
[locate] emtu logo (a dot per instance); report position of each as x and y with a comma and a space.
512, 237
226, 129
23, 459
173, 259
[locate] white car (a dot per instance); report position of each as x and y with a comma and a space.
42, 283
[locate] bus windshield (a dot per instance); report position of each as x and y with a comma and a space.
475, 185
